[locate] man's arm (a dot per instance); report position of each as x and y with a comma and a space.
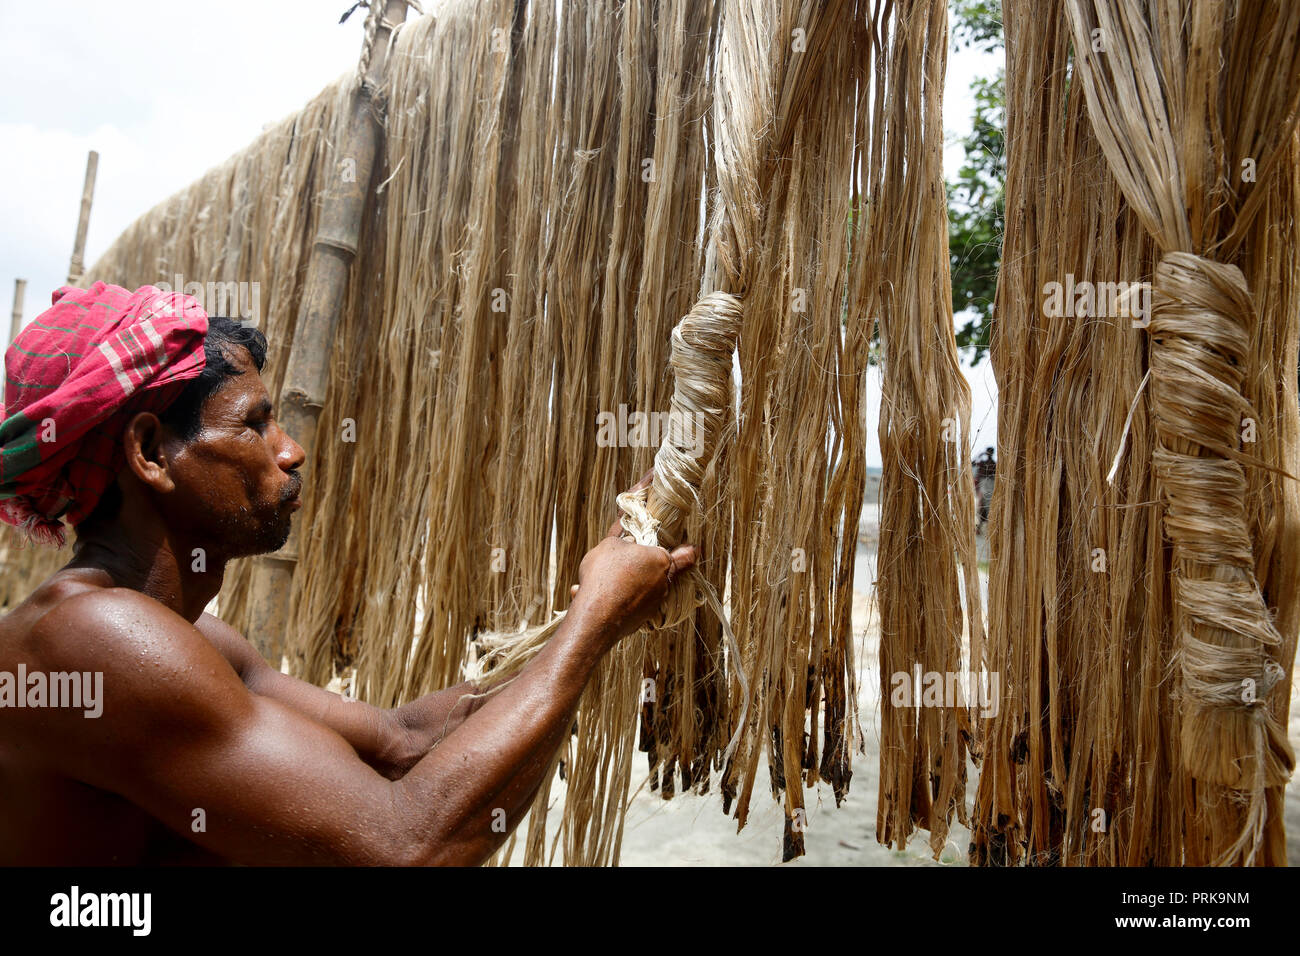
391, 741
180, 733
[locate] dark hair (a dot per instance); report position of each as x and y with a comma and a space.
185, 414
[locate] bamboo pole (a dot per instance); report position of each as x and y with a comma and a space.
77, 266
302, 395
16, 323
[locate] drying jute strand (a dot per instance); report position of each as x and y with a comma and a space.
1142, 594
703, 344
1175, 95
1201, 323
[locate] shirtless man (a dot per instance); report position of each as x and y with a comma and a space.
203, 752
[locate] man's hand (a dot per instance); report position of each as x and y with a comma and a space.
622, 584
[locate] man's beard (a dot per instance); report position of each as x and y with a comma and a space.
268, 532
246, 535
276, 533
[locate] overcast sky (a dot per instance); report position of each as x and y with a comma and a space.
166, 89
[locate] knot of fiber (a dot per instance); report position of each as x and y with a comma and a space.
686, 593
1225, 644
1202, 318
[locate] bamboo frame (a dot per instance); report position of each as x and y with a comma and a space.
306, 379
76, 265
16, 320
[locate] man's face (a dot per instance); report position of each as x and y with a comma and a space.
237, 483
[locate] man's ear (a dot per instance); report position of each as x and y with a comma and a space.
144, 442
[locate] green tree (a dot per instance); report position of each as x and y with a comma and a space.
976, 210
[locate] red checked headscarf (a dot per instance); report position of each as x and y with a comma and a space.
73, 378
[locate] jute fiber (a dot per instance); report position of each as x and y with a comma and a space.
931, 621
1143, 590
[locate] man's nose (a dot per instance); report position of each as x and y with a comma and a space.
291, 455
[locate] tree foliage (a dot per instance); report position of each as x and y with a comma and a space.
976, 211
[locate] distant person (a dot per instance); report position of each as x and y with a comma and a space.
984, 472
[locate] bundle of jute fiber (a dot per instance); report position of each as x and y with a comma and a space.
928, 585
559, 185
703, 345
785, 100
1079, 757
1195, 132
1076, 629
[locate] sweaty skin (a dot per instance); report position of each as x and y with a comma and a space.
203, 752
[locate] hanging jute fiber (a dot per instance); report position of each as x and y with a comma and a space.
931, 622
561, 184
1143, 606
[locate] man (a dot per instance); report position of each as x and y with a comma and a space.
147, 427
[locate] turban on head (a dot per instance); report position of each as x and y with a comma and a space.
73, 378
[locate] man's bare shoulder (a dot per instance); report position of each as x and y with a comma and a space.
146, 652
70, 616
233, 646
151, 670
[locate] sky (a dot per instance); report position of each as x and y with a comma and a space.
166, 89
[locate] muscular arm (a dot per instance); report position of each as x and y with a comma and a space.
390, 741
180, 733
